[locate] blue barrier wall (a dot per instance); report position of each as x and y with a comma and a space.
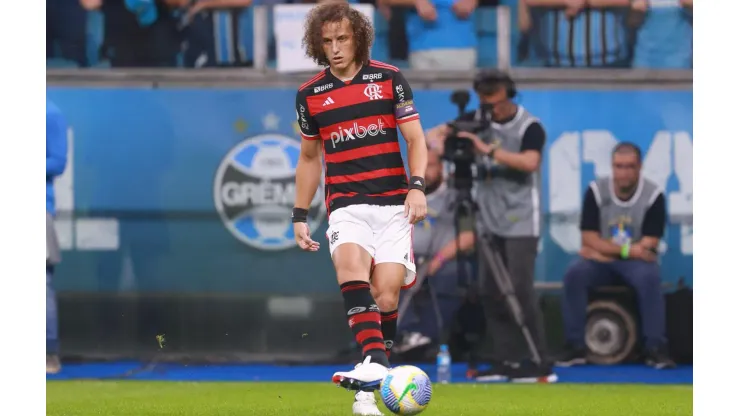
145, 162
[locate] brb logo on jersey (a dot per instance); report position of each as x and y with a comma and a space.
372, 77
356, 132
254, 189
373, 92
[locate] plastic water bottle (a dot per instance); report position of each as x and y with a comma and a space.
444, 365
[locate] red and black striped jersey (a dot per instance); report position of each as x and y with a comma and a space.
356, 122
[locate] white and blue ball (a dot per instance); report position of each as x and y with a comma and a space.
406, 390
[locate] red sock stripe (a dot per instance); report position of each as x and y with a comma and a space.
373, 346
364, 317
390, 317
366, 334
346, 287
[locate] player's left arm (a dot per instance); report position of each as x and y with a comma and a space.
407, 118
529, 157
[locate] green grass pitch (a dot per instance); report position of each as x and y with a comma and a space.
140, 398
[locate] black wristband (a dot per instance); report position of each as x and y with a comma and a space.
299, 215
417, 182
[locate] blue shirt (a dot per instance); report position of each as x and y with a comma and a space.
665, 39
56, 150
594, 38
447, 32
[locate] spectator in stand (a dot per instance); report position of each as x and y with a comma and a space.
622, 221
435, 245
56, 161
576, 33
139, 33
66, 27
211, 30
441, 33
665, 35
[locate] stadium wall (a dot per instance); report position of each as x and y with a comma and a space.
138, 204
146, 251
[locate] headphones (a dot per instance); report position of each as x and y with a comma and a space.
494, 76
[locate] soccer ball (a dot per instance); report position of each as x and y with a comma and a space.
406, 390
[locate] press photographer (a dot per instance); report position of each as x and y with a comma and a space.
499, 148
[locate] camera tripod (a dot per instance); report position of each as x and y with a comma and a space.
465, 206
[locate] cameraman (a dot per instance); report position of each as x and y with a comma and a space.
509, 153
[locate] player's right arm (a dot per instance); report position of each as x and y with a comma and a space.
307, 173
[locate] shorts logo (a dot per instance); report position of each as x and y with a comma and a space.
356, 132
372, 77
323, 87
356, 310
254, 188
334, 237
373, 92
388, 344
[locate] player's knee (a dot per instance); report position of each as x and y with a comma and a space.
352, 263
386, 299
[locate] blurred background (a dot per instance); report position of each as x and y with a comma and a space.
159, 96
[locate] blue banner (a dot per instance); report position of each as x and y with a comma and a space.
156, 174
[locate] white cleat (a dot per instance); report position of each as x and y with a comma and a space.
365, 404
365, 375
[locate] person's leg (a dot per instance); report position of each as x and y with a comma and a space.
72, 31
387, 279
644, 278
52, 319
394, 264
53, 257
521, 254
445, 286
413, 325
498, 320
581, 276
351, 251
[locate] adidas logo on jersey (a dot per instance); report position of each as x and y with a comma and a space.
328, 101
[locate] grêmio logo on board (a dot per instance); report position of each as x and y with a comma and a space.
668, 161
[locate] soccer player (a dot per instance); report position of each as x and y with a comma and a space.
350, 111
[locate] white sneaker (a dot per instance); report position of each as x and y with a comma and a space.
365, 375
411, 341
365, 404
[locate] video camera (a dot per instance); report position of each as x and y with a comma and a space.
460, 151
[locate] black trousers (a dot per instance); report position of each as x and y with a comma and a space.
519, 255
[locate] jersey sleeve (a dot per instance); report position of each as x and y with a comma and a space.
590, 212
653, 224
307, 124
403, 100
534, 138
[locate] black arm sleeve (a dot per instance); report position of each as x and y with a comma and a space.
654, 223
590, 215
534, 138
